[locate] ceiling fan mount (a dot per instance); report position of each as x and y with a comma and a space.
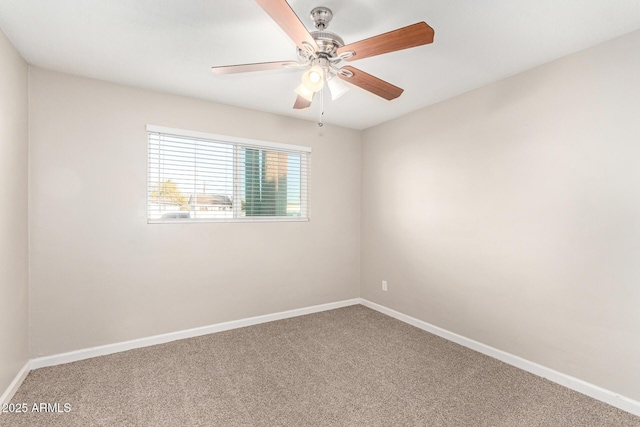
321, 16
323, 53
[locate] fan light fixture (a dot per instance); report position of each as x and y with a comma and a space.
337, 87
304, 92
313, 79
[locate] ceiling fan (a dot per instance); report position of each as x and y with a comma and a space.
324, 53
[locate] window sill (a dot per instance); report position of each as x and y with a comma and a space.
205, 220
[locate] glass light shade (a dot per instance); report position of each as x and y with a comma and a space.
304, 92
315, 76
313, 79
337, 87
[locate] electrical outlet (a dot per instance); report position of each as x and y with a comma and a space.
384, 285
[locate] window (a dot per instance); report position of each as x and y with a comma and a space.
194, 177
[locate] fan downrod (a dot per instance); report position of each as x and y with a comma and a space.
327, 42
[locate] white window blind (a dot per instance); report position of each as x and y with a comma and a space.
194, 176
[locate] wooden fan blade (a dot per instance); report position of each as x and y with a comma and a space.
259, 66
285, 17
402, 38
301, 103
372, 84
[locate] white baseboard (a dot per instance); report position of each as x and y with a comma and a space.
103, 350
15, 384
591, 390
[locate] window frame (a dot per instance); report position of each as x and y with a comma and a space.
238, 143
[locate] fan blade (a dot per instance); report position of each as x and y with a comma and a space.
301, 103
402, 38
259, 66
372, 84
285, 17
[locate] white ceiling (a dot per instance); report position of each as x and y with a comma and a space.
170, 45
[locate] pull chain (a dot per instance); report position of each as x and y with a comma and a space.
320, 124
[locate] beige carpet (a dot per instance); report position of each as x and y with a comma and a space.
347, 367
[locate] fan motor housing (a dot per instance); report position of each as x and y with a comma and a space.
328, 42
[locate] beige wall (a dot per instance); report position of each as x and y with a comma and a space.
100, 274
14, 133
511, 215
